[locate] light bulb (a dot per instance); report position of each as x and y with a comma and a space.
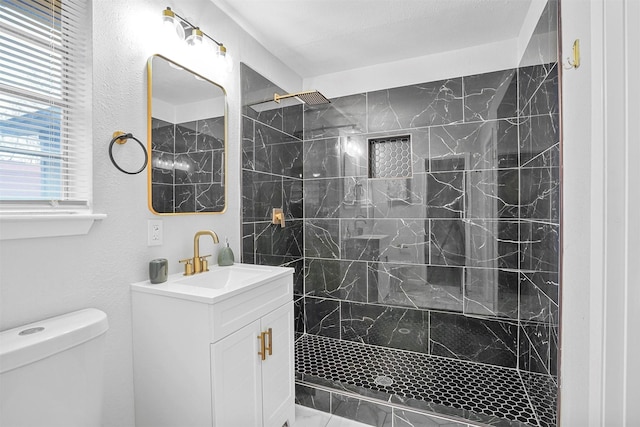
224, 59
195, 38
172, 23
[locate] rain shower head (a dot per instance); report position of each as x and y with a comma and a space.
310, 97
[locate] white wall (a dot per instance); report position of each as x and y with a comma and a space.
40, 278
600, 377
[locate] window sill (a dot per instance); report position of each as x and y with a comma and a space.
32, 225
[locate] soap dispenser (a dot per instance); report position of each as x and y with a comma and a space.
225, 256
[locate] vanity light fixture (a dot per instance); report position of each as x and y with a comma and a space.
193, 35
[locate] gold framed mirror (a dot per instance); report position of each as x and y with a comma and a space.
187, 140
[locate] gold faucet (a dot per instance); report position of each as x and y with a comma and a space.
198, 264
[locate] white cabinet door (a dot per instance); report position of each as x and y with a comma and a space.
277, 369
236, 379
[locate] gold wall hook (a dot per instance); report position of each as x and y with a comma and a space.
574, 60
277, 217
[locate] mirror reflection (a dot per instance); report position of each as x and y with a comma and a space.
187, 133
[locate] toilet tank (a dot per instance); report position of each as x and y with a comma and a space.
51, 371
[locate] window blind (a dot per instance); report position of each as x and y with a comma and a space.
45, 104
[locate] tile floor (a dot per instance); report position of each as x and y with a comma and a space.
307, 417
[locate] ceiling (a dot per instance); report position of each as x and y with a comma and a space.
317, 37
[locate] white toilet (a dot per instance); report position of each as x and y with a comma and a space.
51, 371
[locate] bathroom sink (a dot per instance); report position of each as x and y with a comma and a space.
217, 284
221, 277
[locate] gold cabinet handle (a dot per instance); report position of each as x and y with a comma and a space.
270, 335
262, 352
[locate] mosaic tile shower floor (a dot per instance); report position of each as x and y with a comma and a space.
475, 392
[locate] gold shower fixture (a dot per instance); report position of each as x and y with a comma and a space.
310, 97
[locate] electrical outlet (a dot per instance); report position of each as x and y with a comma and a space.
154, 232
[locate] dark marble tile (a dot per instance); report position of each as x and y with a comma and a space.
531, 81
211, 134
545, 99
298, 316
491, 96
322, 238
271, 116
540, 141
248, 158
292, 198
248, 248
185, 200
194, 167
162, 170
322, 317
292, 120
162, 198
483, 145
286, 159
493, 194
416, 286
163, 134
260, 194
414, 106
420, 149
398, 198
535, 348
322, 158
491, 292
210, 197
342, 280
539, 246
492, 244
393, 327
535, 283
271, 239
447, 242
269, 141
365, 412
445, 195
540, 194
403, 418
388, 240
344, 115
335, 197
473, 339
185, 138
313, 398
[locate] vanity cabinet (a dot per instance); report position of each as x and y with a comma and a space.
196, 354
249, 391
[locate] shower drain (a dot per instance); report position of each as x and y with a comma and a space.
383, 381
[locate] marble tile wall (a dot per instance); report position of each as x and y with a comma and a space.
460, 259
272, 178
187, 161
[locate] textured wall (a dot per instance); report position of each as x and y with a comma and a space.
40, 278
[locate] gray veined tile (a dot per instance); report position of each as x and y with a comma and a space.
395, 327
491, 292
322, 238
492, 194
474, 339
490, 96
344, 280
540, 141
416, 286
482, 145
344, 115
493, 244
415, 106
322, 317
